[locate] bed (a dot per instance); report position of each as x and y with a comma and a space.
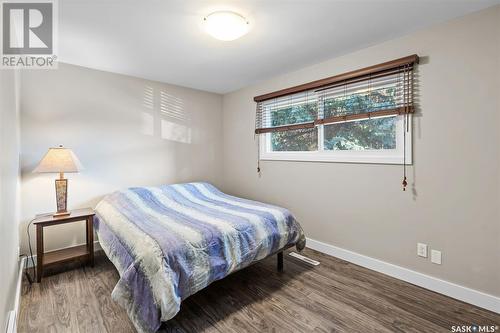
168, 242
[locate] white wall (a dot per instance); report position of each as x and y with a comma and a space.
453, 198
126, 132
9, 176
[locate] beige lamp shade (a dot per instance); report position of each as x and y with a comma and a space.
60, 160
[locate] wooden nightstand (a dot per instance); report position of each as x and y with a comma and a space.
80, 252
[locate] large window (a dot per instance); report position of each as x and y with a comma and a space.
365, 120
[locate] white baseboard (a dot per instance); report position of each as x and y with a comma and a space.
97, 247
450, 289
13, 314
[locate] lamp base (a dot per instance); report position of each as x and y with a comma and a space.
61, 197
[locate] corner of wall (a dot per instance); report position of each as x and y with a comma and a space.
9, 189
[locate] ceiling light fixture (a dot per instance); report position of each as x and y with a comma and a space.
226, 25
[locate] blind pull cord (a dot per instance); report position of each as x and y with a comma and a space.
405, 183
405, 129
257, 136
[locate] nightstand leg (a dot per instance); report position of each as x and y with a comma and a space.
39, 253
90, 239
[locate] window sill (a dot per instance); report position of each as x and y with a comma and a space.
337, 157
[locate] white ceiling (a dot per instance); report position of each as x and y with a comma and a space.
163, 40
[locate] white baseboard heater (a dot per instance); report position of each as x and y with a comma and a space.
12, 315
11, 322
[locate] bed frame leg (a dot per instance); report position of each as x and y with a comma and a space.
280, 261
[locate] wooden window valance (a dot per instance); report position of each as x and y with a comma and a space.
376, 91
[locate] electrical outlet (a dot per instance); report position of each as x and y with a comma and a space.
422, 250
436, 257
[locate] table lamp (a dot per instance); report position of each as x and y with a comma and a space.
60, 160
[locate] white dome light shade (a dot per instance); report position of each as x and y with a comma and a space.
226, 25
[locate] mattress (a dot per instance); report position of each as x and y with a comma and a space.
168, 242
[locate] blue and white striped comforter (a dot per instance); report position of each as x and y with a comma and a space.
169, 242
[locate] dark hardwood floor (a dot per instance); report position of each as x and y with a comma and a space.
336, 296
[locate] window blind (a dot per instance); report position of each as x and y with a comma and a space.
290, 112
380, 90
